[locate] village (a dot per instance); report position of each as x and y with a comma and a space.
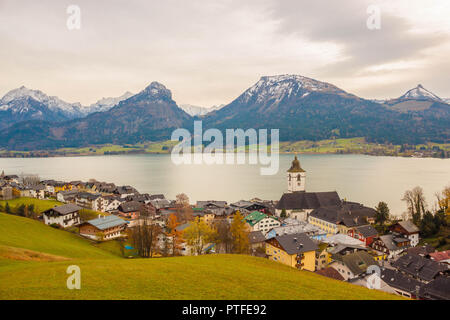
312, 231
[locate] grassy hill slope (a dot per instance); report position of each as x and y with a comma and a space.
33, 235
104, 276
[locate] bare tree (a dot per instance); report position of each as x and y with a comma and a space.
145, 234
183, 208
415, 203
30, 179
224, 238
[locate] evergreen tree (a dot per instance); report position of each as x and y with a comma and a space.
382, 213
20, 210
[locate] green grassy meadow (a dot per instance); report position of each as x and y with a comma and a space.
39, 205
39, 257
42, 205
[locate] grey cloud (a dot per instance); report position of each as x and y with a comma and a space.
344, 23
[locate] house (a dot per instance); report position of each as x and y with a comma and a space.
259, 221
437, 289
341, 218
37, 191
157, 196
443, 256
352, 265
407, 229
67, 196
420, 268
108, 203
160, 204
216, 207
125, 191
295, 250
344, 249
206, 215
11, 178
391, 245
330, 272
52, 187
66, 215
366, 234
257, 241
323, 257
400, 284
103, 228
20, 190
423, 251
340, 238
297, 226
80, 185
249, 206
6, 192
86, 199
130, 209
143, 197
106, 188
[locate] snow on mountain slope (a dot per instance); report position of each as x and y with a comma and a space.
105, 104
284, 86
63, 110
199, 111
420, 93
71, 110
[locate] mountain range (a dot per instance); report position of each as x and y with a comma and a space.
23, 104
301, 107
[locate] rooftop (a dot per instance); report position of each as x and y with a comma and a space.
296, 243
65, 209
330, 272
308, 200
419, 266
409, 226
254, 217
295, 167
106, 222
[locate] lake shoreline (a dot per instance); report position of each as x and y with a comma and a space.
357, 146
47, 154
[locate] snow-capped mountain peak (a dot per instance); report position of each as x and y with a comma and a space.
39, 105
52, 102
280, 86
420, 93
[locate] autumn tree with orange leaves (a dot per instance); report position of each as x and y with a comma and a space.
174, 237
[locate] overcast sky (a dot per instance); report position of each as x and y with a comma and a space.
208, 52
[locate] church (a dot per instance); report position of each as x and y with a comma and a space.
298, 203
323, 209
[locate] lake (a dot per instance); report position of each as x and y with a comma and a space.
360, 178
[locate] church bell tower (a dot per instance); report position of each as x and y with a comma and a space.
296, 177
